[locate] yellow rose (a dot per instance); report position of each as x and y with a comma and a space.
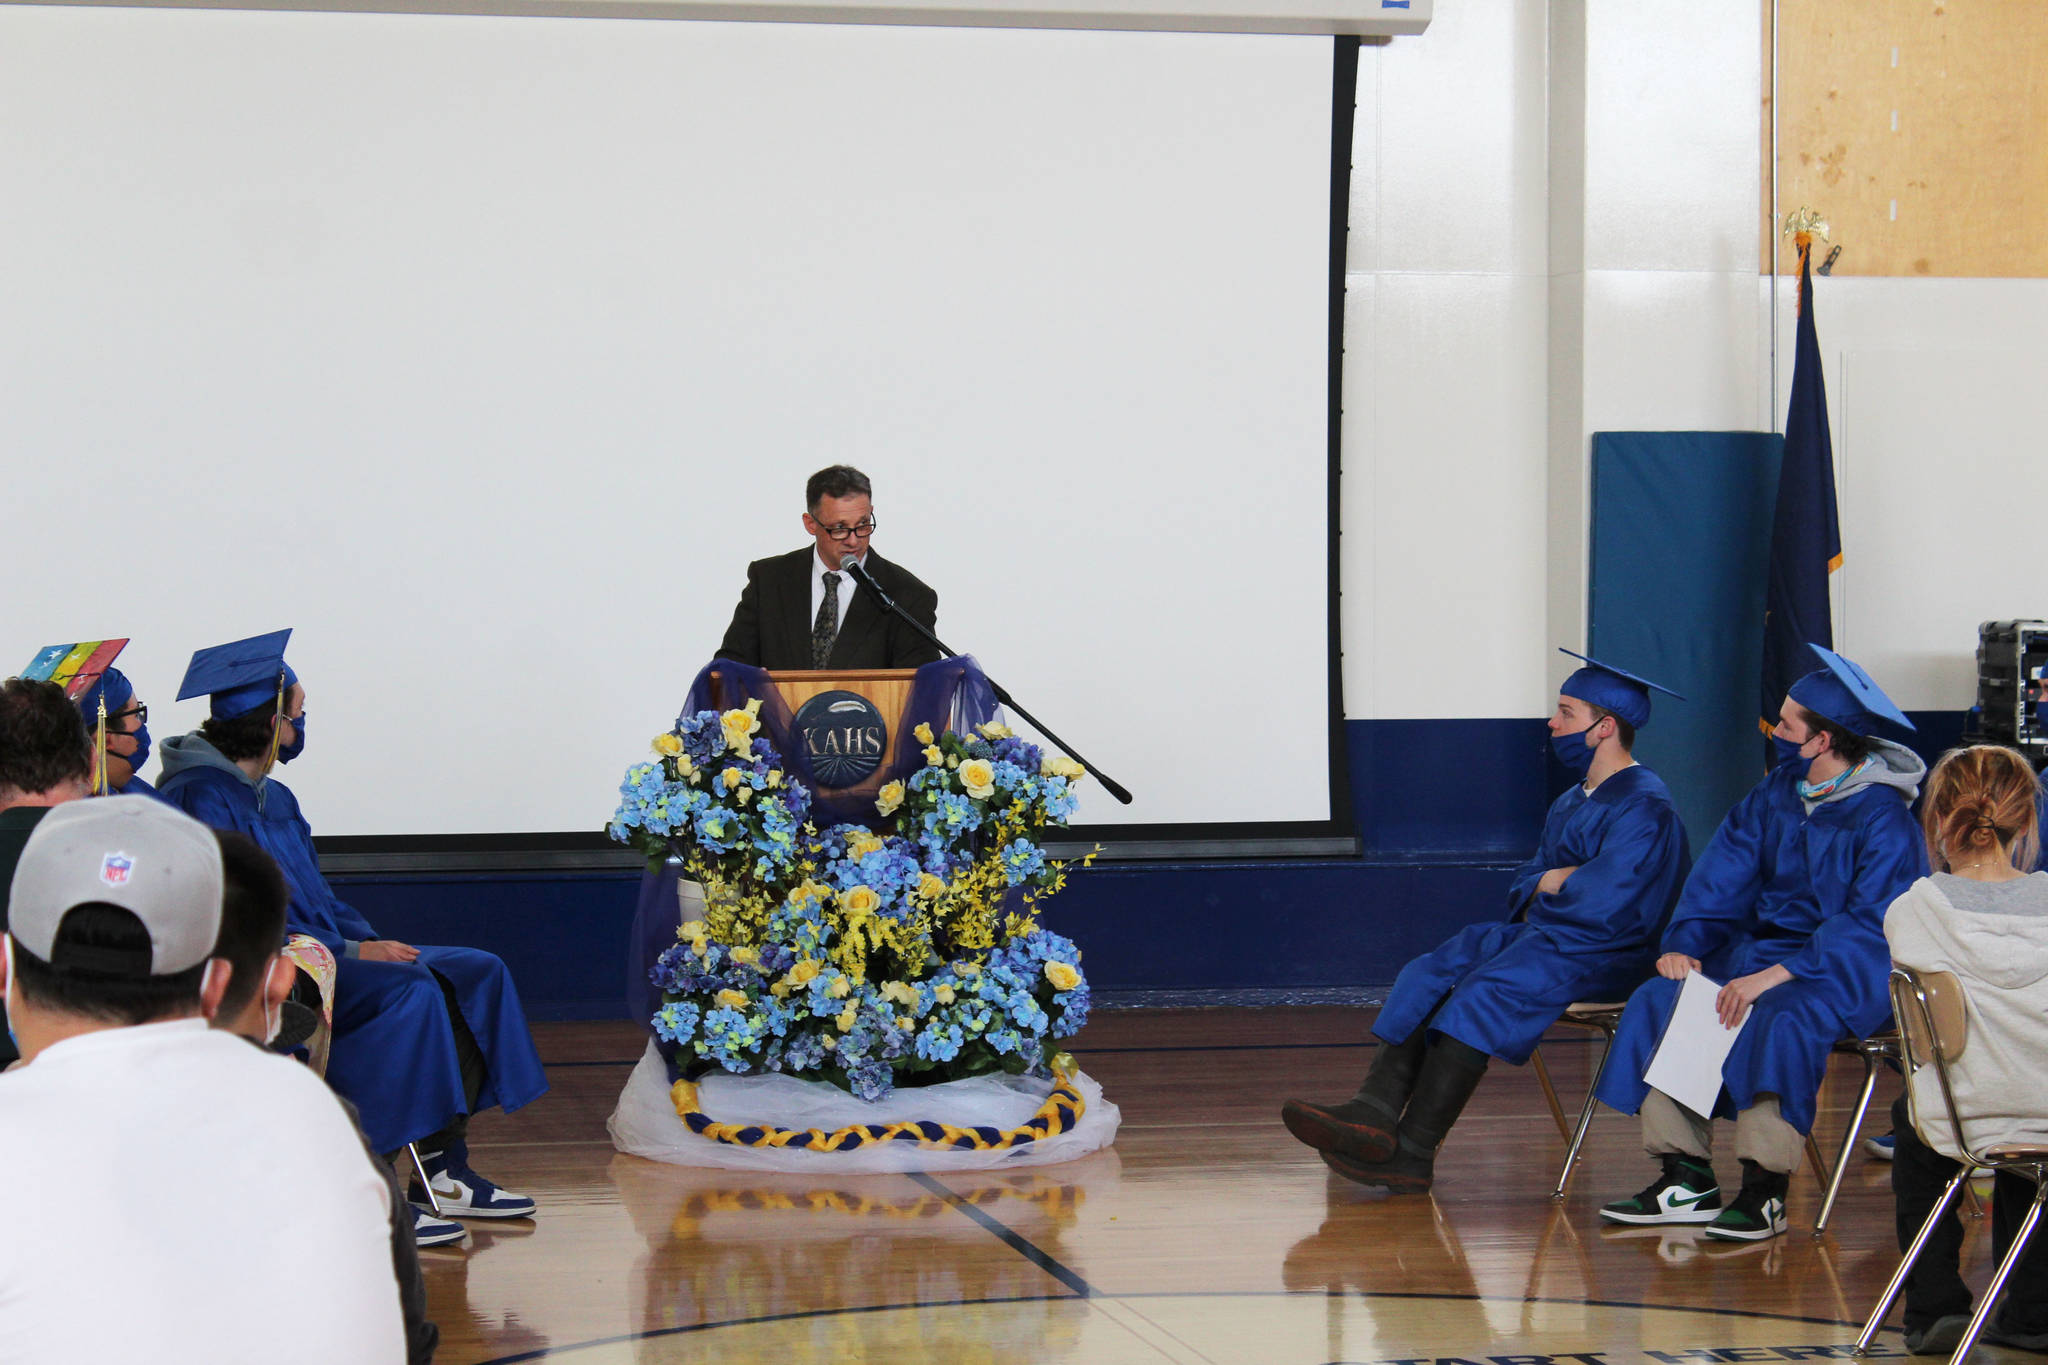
860, 900
747, 957
734, 777
739, 728
729, 996
930, 887
846, 1018
780, 990
943, 994
840, 988
899, 992
978, 775
668, 745
1062, 976
933, 755
685, 768
995, 730
1059, 765
804, 972
860, 845
967, 969
953, 761
691, 929
889, 799
924, 733
774, 778
742, 795
905, 1022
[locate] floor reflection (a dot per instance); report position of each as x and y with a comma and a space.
726, 1247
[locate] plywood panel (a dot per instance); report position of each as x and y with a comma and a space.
1919, 129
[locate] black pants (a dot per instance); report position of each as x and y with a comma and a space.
1935, 1289
470, 1057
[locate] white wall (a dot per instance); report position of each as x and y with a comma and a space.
1554, 232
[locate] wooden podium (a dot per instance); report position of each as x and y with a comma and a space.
887, 690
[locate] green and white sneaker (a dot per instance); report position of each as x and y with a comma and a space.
1758, 1213
1685, 1193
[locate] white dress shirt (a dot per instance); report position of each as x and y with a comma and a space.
847, 588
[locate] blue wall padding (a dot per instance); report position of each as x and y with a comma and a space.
1447, 807
1444, 808
1681, 528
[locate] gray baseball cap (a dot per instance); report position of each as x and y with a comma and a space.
136, 852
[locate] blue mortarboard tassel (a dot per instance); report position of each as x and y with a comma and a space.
1612, 689
1843, 693
239, 676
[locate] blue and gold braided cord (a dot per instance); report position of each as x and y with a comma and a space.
1059, 1114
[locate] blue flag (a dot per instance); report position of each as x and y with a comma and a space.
1806, 538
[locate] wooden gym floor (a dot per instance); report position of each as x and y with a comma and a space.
1205, 1234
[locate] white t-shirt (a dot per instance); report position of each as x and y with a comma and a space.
170, 1193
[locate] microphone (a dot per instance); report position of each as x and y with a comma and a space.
858, 572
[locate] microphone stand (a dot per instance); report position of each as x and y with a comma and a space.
858, 572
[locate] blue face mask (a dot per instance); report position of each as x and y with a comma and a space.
1788, 752
287, 752
143, 744
1573, 751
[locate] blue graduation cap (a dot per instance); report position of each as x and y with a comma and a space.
240, 676
1843, 693
1612, 689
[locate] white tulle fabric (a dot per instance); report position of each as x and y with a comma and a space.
645, 1121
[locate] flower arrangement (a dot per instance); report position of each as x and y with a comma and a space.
903, 954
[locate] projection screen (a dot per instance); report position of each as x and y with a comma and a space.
486, 352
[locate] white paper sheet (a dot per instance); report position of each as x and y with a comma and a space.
1687, 1063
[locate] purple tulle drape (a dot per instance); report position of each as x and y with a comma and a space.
951, 694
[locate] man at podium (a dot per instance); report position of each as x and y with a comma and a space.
803, 610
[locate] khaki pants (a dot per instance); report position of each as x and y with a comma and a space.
1761, 1133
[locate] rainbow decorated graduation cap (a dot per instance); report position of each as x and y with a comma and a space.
1612, 689
79, 668
1841, 692
240, 676
74, 667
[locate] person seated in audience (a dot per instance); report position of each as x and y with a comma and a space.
1582, 917
139, 1226
128, 741
1785, 909
1982, 915
254, 1004
423, 1036
45, 760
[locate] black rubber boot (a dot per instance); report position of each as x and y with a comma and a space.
1451, 1071
1363, 1126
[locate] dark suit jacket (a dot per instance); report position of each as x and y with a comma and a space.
771, 627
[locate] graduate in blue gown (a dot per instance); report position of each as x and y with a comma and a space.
1582, 920
128, 741
1786, 910
423, 1037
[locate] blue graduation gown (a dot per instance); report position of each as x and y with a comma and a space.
1508, 981
393, 1053
1807, 892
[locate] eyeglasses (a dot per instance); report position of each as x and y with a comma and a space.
141, 714
864, 527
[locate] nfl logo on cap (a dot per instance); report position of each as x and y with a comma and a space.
115, 867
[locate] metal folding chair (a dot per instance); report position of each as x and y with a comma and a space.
1873, 1050
1602, 1018
1933, 1021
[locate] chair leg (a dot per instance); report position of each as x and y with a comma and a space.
1996, 1289
419, 1169
1571, 1156
1891, 1291
1550, 1094
1827, 1203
